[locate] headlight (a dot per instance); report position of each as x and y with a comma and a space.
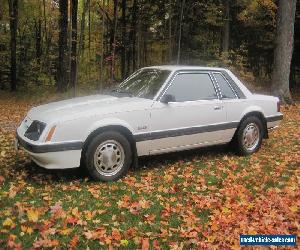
35, 130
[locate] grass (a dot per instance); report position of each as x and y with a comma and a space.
202, 198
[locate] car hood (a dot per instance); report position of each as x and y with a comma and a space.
86, 106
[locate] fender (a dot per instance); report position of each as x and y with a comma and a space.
107, 122
250, 110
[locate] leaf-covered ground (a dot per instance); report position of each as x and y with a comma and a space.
198, 199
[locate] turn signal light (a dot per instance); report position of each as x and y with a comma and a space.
50, 134
278, 106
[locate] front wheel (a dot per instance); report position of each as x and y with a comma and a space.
249, 136
108, 156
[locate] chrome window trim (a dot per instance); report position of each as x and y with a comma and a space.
221, 95
170, 81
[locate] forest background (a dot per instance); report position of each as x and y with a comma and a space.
88, 45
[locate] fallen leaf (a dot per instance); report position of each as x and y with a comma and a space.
145, 244
8, 222
33, 215
73, 242
124, 243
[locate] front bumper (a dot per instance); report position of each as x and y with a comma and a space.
52, 155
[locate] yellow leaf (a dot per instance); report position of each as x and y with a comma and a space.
25, 229
7, 213
293, 209
211, 239
8, 222
29, 230
75, 211
88, 215
66, 231
226, 210
33, 215
124, 243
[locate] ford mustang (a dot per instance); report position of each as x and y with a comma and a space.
156, 110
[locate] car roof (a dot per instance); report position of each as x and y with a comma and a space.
183, 67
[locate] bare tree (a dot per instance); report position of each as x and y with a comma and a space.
284, 50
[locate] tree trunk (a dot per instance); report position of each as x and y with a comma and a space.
226, 28
124, 40
131, 60
45, 20
38, 38
284, 50
145, 44
89, 8
114, 40
62, 46
170, 31
102, 53
180, 32
73, 73
46, 60
13, 15
82, 27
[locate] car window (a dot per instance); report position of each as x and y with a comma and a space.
226, 90
144, 83
192, 87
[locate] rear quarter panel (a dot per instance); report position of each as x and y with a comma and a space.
238, 108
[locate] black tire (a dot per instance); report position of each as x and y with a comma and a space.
240, 143
93, 169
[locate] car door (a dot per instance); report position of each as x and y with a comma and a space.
193, 118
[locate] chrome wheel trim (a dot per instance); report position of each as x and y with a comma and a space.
251, 135
109, 158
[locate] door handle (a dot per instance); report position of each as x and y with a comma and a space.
217, 107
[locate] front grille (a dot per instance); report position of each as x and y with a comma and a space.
35, 130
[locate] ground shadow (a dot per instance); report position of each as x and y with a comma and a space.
40, 175
185, 155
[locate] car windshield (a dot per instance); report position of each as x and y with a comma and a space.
144, 83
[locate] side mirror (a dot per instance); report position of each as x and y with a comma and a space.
167, 98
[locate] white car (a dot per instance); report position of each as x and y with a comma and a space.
156, 110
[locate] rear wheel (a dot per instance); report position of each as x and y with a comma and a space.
108, 156
249, 135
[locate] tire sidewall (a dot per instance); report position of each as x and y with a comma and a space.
93, 145
241, 149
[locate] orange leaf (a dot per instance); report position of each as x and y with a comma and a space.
145, 244
74, 241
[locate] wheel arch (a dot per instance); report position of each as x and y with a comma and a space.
260, 116
117, 128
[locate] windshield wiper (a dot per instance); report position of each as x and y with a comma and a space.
122, 92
